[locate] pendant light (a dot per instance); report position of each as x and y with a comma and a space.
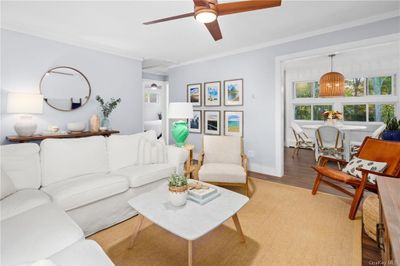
331, 84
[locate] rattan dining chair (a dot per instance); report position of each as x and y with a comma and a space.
355, 145
329, 142
302, 140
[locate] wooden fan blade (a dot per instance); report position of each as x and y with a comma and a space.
169, 18
213, 28
201, 3
245, 6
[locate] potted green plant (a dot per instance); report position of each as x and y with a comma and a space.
178, 190
392, 131
106, 110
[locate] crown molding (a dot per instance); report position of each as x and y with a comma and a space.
342, 26
71, 41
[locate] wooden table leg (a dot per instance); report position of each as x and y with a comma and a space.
136, 232
238, 227
190, 253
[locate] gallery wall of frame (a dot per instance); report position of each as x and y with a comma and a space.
211, 105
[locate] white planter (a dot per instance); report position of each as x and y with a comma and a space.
177, 198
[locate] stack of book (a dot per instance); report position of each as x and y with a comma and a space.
201, 193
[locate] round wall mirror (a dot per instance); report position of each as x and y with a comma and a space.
65, 88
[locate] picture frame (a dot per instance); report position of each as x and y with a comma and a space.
194, 94
233, 92
233, 123
196, 123
212, 93
212, 122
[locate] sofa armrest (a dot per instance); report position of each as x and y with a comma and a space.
177, 157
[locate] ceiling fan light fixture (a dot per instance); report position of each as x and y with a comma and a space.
206, 15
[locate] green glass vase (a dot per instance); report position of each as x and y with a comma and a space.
180, 132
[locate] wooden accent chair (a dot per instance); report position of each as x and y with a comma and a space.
223, 162
371, 149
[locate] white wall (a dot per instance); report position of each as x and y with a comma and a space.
257, 68
370, 61
25, 58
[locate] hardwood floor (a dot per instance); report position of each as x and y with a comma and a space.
299, 173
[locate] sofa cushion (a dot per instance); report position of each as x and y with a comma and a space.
21, 201
66, 158
82, 253
37, 234
76, 192
222, 149
123, 150
7, 186
21, 162
140, 175
152, 151
222, 172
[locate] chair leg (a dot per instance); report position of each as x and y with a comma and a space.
316, 184
356, 202
294, 152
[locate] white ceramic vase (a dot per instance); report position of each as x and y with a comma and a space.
177, 196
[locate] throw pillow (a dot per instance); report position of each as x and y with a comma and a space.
7, 186
351, 168
152, 152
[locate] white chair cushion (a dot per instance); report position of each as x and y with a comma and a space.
65, 158
7, 186
123, 150
82, 190
37, 234
21, 201
82, 253
144, 174
152, 151
222, 172
21, 162
222, 149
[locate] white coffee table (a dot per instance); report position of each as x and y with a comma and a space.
190, 221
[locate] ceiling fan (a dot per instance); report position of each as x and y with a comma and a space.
207, 12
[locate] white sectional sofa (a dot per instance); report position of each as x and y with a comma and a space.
66, 189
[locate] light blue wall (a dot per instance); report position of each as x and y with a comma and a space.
25, 58
155, 76
257, 68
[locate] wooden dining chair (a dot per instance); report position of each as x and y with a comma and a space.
372, 150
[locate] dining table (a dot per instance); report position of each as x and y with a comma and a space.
346, 129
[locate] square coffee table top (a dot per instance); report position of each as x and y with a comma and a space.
192, 220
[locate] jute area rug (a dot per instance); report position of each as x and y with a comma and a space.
284, 225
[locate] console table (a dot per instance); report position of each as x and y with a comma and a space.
83, 134
389, 229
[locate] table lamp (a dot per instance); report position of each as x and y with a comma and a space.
25, 104
180, 111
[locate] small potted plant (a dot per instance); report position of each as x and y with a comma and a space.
392, 131
106, 110
331, 117
178, 190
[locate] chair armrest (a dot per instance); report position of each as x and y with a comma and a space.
177, 157
245, 162
324, 159
367, 172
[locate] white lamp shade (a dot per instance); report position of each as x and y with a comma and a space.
180, 110
24, 103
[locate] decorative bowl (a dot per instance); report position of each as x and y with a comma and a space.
76, 126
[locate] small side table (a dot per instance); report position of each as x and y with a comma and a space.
189, 167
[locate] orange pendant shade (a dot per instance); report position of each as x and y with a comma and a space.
331, 85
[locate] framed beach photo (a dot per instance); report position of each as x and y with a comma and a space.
212, 122
233, 123
194, 94
195, 124
212, 93
233, 92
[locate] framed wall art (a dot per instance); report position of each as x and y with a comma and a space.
196, 123
212, 122
212, 93
194, 94
233, 92
233, 123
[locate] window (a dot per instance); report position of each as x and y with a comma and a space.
302, 112
318, 111
380, 112
306, 89
150, 97
355, 112
380, 85
354, 87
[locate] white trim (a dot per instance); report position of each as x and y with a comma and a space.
338, 27
262, 169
